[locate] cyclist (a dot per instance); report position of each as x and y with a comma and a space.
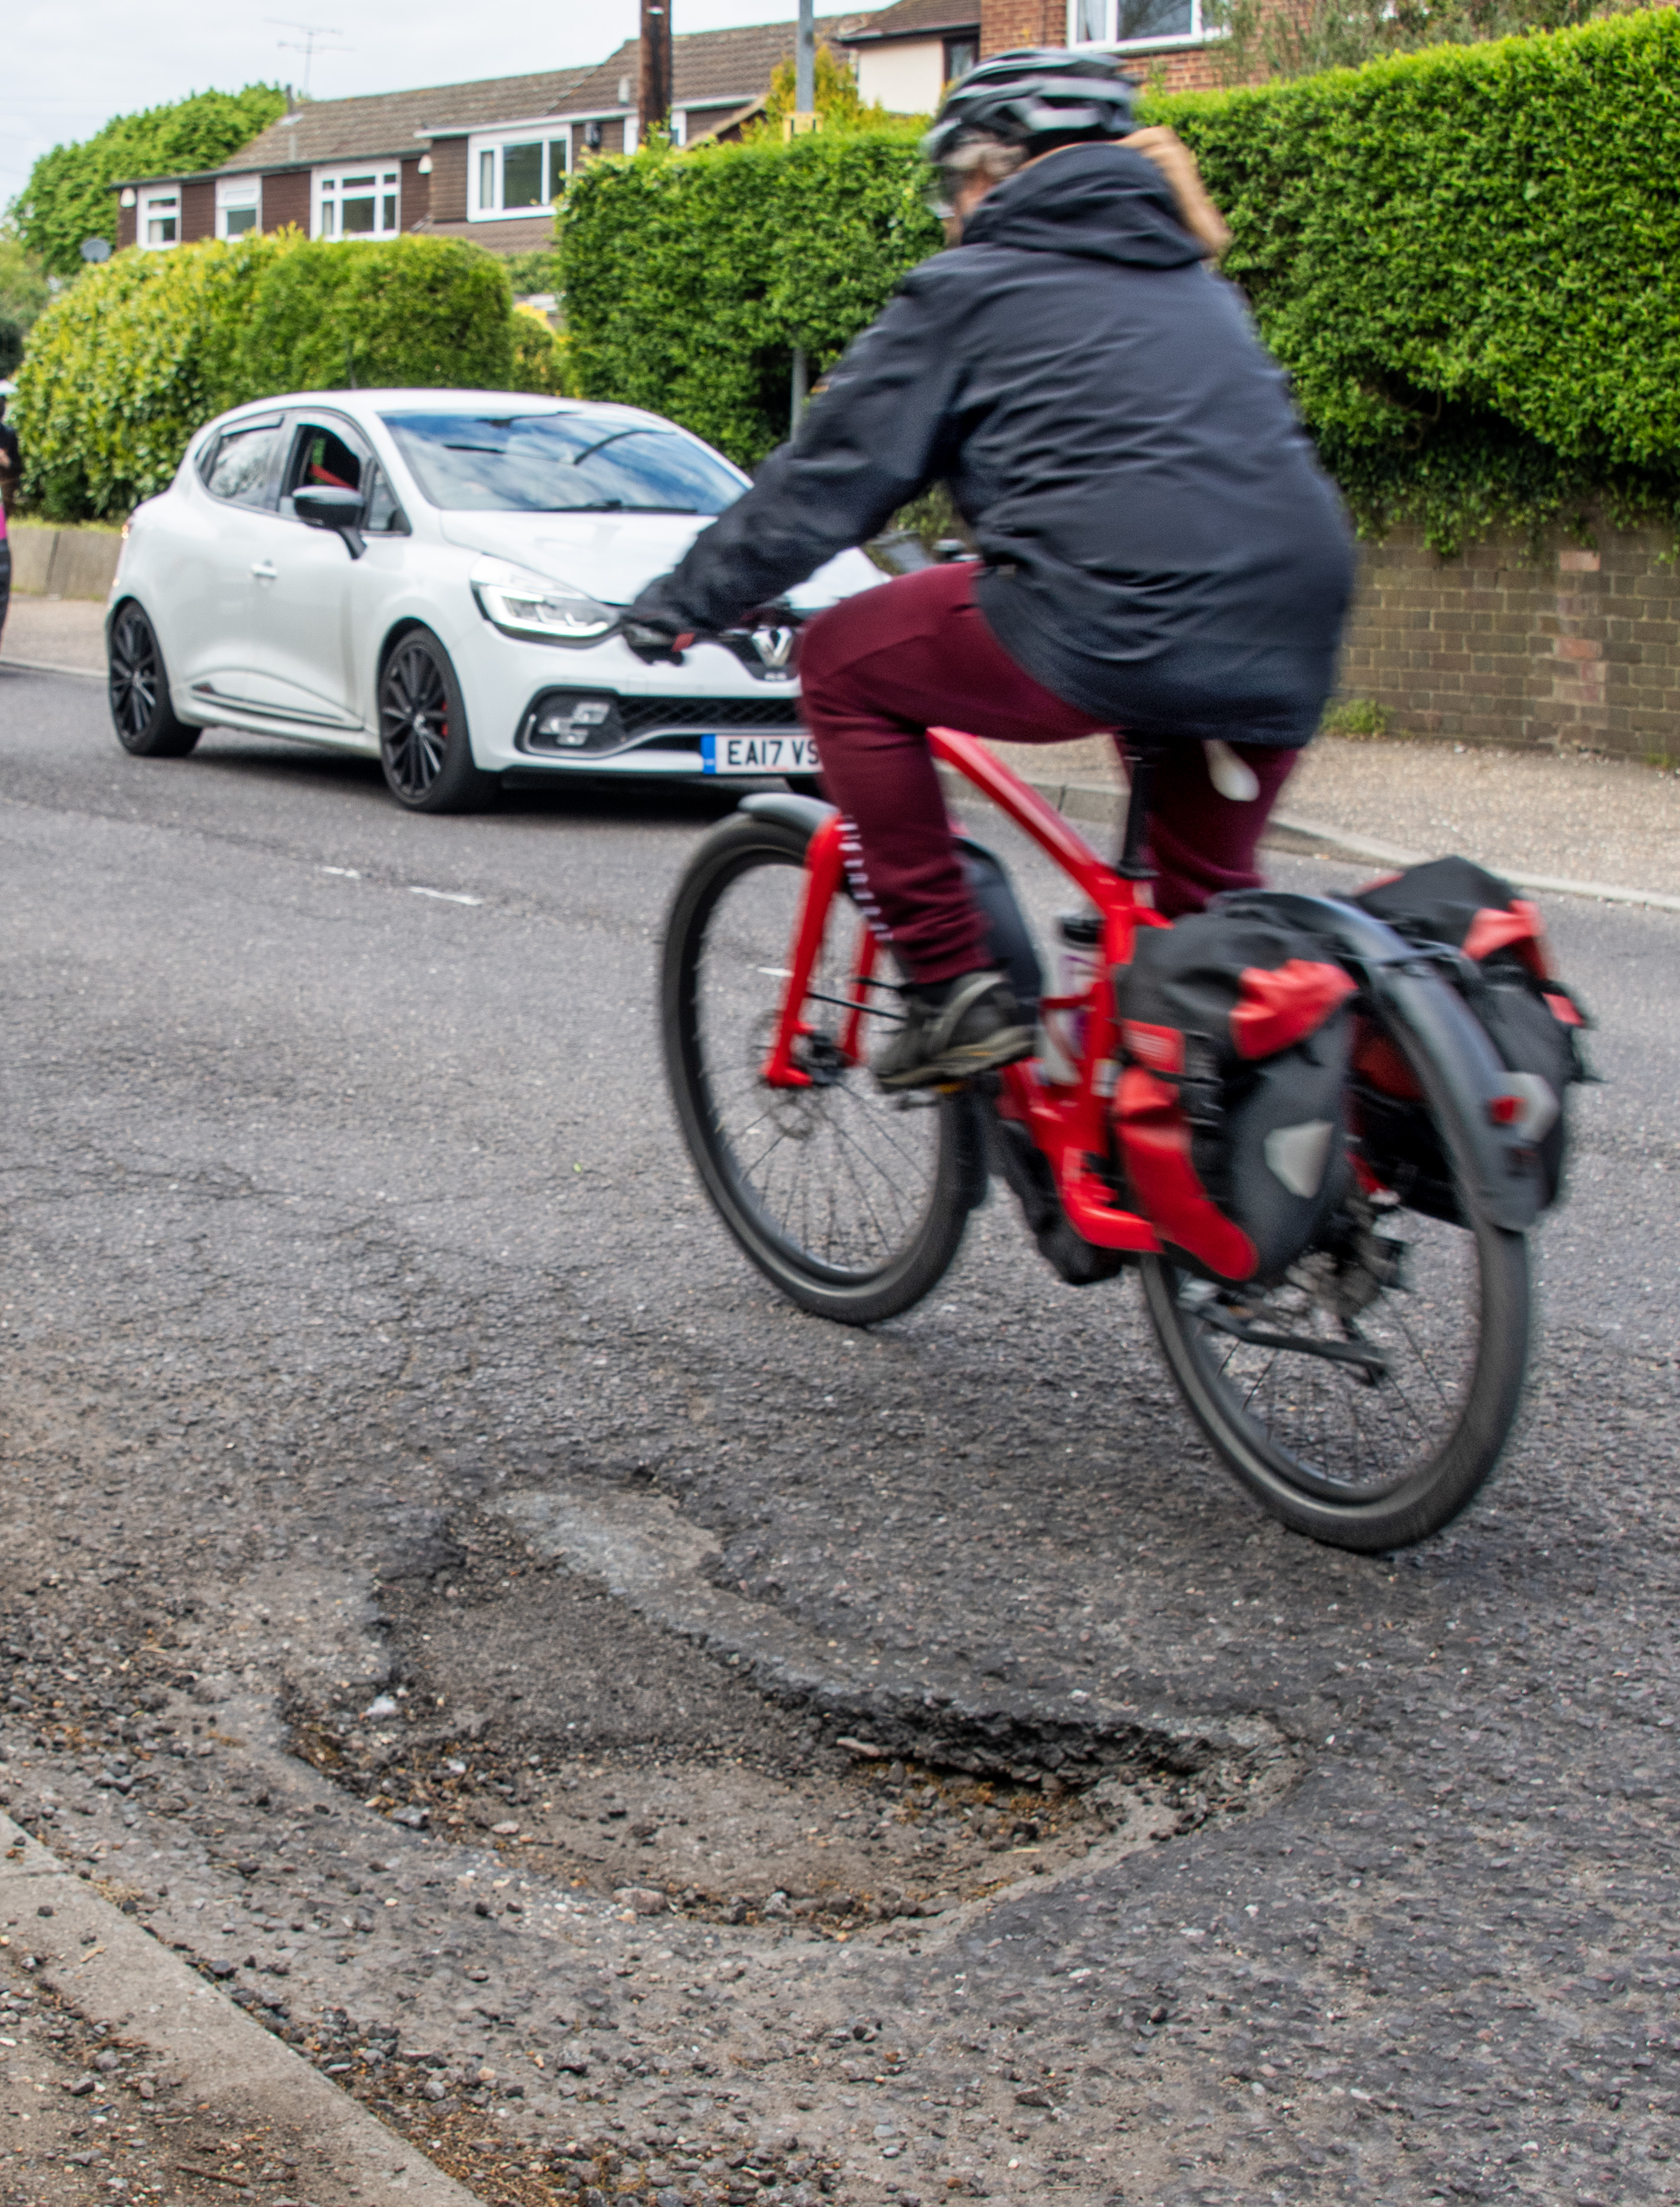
1160, 552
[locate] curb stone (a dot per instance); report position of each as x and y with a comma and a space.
48, 666
92, 1955
1099, 802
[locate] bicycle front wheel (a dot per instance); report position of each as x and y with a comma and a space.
852, 1203
1366, 1398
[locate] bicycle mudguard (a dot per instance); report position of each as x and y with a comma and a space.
1501, 1168
804, 814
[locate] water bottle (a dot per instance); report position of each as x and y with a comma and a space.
1078, 965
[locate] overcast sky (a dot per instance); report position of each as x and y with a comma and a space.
66, 66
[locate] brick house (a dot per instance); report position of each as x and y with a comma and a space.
905, 54
482, 161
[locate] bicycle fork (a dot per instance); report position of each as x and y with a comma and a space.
824, 870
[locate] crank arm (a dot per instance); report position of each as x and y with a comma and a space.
1374, 1360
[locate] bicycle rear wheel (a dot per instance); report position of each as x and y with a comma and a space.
1367, 1398
852, 1203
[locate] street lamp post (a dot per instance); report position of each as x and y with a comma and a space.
804, 103
804, 59
653, 103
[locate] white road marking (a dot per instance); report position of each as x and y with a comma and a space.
446, 896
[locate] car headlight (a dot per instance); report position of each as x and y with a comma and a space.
521, 603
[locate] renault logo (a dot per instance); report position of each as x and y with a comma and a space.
774, 647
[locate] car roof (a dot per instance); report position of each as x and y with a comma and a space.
380, 402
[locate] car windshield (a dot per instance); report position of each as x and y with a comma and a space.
575, 463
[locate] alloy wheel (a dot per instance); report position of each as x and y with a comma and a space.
136, 674
414, 718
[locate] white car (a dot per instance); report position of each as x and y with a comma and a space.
437, 578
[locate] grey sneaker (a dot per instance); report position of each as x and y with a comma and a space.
978, 1027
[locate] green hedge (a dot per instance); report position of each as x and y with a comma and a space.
1465, 259
690, 278
136, 355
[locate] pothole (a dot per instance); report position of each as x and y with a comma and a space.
530, 1710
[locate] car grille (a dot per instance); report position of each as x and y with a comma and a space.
571, 724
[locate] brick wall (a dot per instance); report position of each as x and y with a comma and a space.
285, 199
1552, 647
416, 202
449, 180
198, 212
1006, 23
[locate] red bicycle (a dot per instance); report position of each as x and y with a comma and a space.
1363, 1399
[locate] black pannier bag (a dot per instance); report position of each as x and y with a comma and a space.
1504, 972
1236, 1037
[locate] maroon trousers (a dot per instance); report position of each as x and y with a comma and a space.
877, 670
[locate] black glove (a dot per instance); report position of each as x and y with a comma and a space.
655, 642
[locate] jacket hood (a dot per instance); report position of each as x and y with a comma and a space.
1098, 201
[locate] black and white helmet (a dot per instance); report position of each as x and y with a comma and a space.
1034, 98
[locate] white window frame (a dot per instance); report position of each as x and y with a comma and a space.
1197, 35
238, 195
485, 151
326, 195
168, 203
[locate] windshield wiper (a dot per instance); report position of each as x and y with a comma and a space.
617, 505
601, 443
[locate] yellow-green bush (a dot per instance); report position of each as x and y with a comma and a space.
540, 358
124, 366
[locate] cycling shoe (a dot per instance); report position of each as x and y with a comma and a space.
976, 1028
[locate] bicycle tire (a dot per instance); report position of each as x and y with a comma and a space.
1335, 1485
883, 1230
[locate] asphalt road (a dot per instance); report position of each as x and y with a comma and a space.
395, 1451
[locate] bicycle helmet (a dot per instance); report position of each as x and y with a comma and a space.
1036, 98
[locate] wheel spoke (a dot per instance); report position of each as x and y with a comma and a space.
831, 1172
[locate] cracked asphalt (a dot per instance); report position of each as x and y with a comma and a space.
415, 1510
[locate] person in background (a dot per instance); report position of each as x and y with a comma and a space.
11, 475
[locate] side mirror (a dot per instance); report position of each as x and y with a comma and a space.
340, 511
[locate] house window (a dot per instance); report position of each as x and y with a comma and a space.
238, 206
358, 202
960, 56
521, 174
1134, 22
159, 219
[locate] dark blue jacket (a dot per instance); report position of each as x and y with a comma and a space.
1161, 546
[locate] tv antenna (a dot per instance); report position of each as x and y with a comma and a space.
312, 41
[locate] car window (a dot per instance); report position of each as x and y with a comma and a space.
385, 518
320, 457
573, 463
240, 466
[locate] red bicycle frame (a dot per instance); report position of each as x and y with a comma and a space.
1068, 1123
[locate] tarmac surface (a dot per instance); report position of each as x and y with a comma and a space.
416, 1510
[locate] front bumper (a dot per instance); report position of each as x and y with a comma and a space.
537, 709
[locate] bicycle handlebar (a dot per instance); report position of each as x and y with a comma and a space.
655, 645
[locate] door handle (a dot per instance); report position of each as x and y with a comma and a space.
264, 570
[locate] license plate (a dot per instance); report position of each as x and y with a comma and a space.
757, 755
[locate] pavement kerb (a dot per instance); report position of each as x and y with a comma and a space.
50, 667
1099, 801
119, 1976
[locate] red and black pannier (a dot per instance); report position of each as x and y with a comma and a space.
1237, 1040
1505, 971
